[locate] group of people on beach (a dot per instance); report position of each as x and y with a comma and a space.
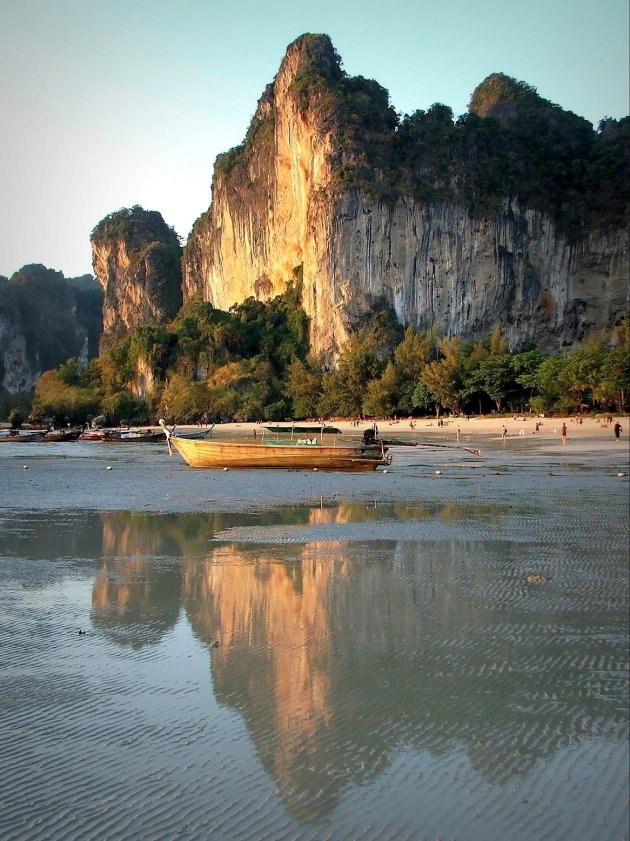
616, 427
617, 430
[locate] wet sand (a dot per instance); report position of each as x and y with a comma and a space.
439, 650
143, 477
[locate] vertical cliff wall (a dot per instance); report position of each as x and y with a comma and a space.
137, 260
311, 187
437, 265
44, 319
271, 212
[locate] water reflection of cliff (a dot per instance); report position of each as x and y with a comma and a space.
337, 654
135, 598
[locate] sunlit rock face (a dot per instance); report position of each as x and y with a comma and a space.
136, 258
271, 215
280, 210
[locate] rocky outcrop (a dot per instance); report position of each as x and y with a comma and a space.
18, 372
306, 195
437, 265
44, 320
137, 259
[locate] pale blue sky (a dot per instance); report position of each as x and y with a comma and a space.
110, 103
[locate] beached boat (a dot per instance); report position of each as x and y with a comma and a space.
300, 454
96, 434
134, 436
304, 428
61, 435
195, 434
21, 437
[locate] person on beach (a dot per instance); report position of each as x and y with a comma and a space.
563, 433
617, 430
503, 432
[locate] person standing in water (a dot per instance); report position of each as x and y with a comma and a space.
563, 433
617, 430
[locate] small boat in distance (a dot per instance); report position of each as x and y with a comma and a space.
304, 428
21, 437
96, 434
136, 436
302, 454
68, 434
122, 436
200, 434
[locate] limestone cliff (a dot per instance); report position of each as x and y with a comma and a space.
136, 258
44, 319
433, 217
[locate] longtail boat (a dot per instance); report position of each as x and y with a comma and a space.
303, 454
304, 428
201, 434
136, 436
96, 434
118, 436
21, 437
62, 434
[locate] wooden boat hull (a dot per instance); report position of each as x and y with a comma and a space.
95, 435
62, 435
22, 439
217, 454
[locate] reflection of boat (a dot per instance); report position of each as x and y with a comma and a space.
304, 428
22, 437
301, 454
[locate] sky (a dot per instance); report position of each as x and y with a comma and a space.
106, 104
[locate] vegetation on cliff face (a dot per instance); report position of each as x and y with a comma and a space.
136, 227
500, 96
512, 144
252, 363
259, 137
54, 314
525, 149
154, 251
204, 363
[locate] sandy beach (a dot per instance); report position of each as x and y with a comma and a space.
593, 435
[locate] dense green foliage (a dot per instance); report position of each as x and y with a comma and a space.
252, 363
136, 226
205, 363
544, 157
